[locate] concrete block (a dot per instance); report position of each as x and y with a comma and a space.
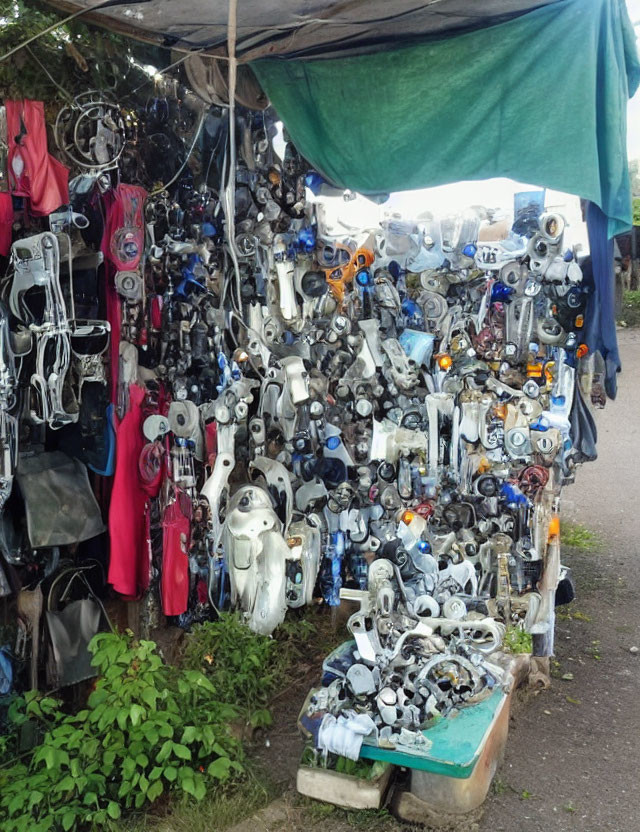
343, 789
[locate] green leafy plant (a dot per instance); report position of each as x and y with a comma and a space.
148, 729
364, 769
240, 665
517, 641
28, 718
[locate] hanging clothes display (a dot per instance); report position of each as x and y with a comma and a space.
129, 552
32, 171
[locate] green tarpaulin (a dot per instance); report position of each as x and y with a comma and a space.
541, 99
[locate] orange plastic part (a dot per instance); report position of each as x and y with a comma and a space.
500, 411
362, 259
339, 277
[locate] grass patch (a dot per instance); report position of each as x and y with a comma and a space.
307, 635
630, 315
572, 613
248, 669
220, 810
577, 536
375, 820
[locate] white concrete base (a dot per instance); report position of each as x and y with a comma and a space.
343, 789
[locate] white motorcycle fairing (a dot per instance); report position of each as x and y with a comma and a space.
305, 551
256, 555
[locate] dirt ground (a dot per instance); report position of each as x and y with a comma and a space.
572, 755
578, 759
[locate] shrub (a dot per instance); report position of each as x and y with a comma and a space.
242, 666
148, 729
246, 669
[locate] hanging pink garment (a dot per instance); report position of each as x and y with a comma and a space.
122, 246
33, 172
129, 565
6, 223
174, 584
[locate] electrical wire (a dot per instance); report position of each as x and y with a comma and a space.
153, 77
168, 184
230, 188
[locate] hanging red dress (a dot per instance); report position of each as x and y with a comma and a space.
6, 223
33, 172
129, 567
176, 531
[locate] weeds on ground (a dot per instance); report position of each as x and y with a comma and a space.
577, 536
364, 769
240, 665
310, 633
499, 786
221, 809
246, 669
630, 315
517, 641
594, 650
572, 613
376, 820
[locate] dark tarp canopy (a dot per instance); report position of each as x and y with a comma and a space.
297, 28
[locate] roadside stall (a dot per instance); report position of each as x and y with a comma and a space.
212, 399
